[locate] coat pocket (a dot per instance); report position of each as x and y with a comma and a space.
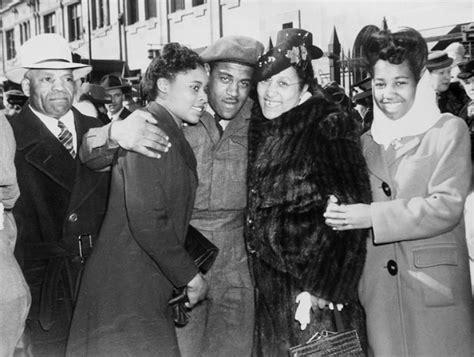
435, 271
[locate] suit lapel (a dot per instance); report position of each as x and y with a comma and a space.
86, 180
43, 150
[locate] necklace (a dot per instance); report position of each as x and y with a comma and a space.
397, 144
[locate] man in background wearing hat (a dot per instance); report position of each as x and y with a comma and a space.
451, 96
115, 88
223, 324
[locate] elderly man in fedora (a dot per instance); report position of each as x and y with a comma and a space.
62, 202
116, 89
223, 324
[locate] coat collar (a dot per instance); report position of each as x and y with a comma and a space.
379, 160
240, 122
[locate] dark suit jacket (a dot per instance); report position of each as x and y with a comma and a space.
60, 199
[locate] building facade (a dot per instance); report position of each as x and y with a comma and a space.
132, 31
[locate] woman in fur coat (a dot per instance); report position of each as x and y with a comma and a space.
302, 149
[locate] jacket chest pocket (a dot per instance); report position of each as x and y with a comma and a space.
435, 270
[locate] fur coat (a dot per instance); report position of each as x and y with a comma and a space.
295, 162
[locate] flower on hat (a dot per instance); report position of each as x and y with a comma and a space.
297, 54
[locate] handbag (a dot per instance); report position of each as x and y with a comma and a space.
204, 253
331, 344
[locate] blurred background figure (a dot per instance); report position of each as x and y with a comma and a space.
451, 96
15, 298
466, 77
92, 101
339, 96
456, 51
13, 101
129, 102
115, 88
364, 103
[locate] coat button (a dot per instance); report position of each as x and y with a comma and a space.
72, 217
386, 189
253, 191
250, 249
392, 267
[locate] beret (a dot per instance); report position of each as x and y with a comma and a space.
240, 49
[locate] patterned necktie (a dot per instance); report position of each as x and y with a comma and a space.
65, 137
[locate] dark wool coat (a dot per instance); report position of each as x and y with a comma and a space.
295, 162
60, 199
122, 308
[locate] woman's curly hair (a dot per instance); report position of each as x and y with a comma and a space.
174, 58
406, 44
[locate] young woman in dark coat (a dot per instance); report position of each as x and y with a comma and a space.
302, 149
122, 308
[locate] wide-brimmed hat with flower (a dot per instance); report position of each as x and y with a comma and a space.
293, 47
45, 51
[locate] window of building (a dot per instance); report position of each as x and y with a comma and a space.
10, 43
199, 2
150, 9
50, 23
176, 5
75, 25
132, 11
25, 32
100, 13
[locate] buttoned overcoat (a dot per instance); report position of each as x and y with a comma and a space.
122, 308
415, 285
60, 200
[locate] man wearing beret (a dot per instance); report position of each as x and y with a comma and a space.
223, 324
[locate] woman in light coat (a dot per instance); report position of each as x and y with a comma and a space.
415, 285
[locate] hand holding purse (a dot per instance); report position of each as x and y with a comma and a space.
331, 344
204, 254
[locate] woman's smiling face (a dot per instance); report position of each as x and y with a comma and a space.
280, 93
394, 88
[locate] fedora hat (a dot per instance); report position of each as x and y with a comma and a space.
45, 51
438, 60
240, 49
111, 81
293, 46
95, 93
466, 70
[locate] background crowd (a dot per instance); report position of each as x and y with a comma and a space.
314, 197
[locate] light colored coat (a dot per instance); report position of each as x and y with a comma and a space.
15, 296
415, 285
